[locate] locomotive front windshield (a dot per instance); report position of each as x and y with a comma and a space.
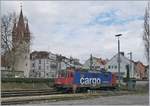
66, 74
63, 74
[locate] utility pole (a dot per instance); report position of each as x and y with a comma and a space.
58, 60
118, 59
91, 62
44, 68
130, 54
71, 60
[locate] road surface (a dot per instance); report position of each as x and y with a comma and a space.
142, 99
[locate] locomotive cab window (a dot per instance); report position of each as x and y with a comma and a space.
63, 74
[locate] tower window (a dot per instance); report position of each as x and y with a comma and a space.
33, 64
39, 61
39, 67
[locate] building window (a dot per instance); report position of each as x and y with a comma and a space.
39, 67
33, 64
39, 61
25, 57
115, 67
53, 66
108, 67
26, 64
112, 67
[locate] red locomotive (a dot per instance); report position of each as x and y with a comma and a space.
77, 80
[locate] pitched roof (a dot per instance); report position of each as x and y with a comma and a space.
139, 62
21, 24
39, 55
27, 28
97, 61
20, 31
121, 54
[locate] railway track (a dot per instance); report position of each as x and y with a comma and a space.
14, 102
31, 99
16, 93
22, 93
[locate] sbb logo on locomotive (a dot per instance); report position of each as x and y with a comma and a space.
91, 81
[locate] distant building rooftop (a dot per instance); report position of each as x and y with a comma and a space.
39, 55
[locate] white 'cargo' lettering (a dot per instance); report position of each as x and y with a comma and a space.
86, 81
82, 81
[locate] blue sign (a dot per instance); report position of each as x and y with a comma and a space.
91, 78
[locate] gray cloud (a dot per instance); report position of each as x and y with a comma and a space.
61, 27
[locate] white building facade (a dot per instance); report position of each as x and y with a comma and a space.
112, 65
42, 66
47, 65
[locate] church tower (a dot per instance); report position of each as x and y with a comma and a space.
21, 45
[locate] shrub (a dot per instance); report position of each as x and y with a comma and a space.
28, 80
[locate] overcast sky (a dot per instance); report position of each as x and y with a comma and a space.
79, 28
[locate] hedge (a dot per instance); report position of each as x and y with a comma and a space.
127, 79
28, 80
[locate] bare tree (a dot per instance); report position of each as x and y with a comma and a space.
9, 50
6, 31
146, 33
7, 22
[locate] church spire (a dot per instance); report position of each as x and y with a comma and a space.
21, 30
27, 33
21, 5
21, 24
27, 27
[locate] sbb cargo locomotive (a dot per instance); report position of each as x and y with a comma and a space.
77, 80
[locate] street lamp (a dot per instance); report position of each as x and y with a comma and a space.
118, 59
